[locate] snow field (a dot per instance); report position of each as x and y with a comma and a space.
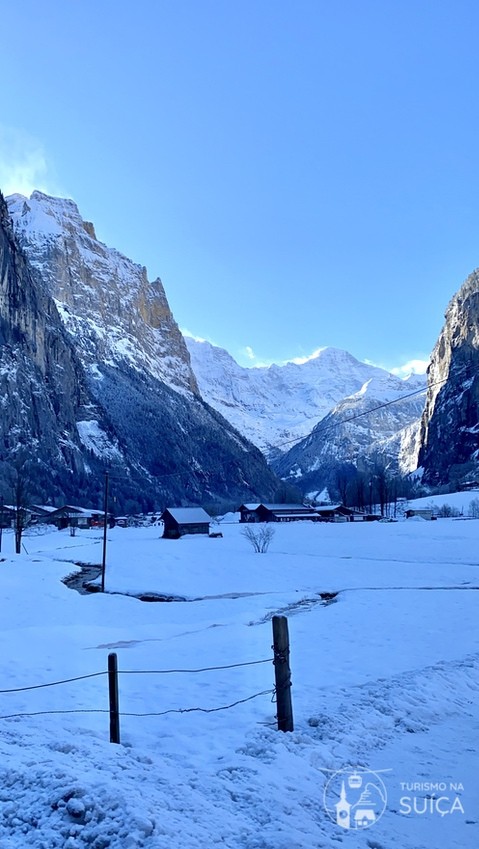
385, 677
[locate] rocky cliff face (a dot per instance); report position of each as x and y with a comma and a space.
109, 307
42, 385
104, 372
449, 441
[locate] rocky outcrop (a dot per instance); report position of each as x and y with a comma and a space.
449, 441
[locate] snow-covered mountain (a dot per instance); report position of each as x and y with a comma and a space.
276, 406
378, 425
140, 411
108, 305
145, 386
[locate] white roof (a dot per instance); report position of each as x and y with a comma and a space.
296, 514
285, 506
81, 511
189, 515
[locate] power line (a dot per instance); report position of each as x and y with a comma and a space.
336, 424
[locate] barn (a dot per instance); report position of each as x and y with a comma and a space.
179, 521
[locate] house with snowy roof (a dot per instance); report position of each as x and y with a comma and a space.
179, 521
76, 517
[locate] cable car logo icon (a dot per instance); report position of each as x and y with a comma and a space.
355, 798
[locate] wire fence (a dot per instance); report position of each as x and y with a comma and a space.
280, 693
105, 672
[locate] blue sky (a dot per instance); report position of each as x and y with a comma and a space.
298, 174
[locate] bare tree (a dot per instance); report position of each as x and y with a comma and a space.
259, 538
20, 502
448, 511
341, 480
358, 491
382, 486
474, 508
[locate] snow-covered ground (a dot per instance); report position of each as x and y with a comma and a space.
460, 501
385, 679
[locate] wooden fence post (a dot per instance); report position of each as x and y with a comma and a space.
113, 693
282, 673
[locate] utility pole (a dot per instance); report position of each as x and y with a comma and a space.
282, 673
105, 526
113, 694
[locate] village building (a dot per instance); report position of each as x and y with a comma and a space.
277, 513
301, 512
7, 516
469, 486
70, 516
248, 512
423, 513
334, 513
42, 512
179, 521
340, 513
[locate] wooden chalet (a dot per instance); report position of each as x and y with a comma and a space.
469, 486
340, 513
277, 513
41, 513
70, 516
248, 512
7, 516
179, 521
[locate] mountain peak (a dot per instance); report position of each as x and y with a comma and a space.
275, 405
106, 301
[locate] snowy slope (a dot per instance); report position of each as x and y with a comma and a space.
275, 405
386, 679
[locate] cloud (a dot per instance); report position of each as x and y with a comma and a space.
299, 361
411, 367
23, 163
185, 332
265, 363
